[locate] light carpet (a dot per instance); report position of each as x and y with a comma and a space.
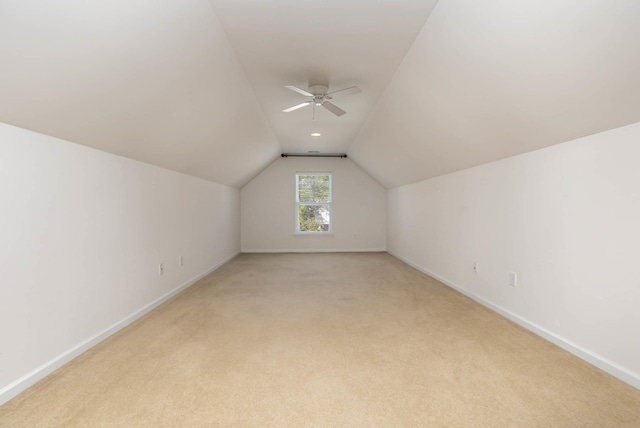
336, 340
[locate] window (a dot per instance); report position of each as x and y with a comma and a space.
313, 202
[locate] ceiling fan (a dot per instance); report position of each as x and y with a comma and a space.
319, 95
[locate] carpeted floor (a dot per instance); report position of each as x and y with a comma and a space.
333, 340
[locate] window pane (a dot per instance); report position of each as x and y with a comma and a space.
314, 218
313, 188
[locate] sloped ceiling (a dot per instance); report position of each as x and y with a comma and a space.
489, 79
155, 81
197, 86
339, 43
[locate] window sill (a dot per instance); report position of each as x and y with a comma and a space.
315, 234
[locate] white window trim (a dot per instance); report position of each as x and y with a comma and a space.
298, 203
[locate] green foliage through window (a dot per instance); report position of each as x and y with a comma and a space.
313, 203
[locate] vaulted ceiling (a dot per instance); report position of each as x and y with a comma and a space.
197, 86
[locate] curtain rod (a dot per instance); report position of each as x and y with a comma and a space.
315, 155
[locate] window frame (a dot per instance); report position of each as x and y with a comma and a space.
298, 203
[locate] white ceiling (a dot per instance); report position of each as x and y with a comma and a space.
155, 81
197, 86
489, 79
336, 42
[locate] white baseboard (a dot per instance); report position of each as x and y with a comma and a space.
16, 387
321, 250
602, 363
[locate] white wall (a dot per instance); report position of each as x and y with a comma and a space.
566, 219
268, 209
82, 234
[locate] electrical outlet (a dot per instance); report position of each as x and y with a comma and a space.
180, 261
513, 279
161, 269
475, 267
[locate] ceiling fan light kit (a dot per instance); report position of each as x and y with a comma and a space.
319, 95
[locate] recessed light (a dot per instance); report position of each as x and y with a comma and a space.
316, 134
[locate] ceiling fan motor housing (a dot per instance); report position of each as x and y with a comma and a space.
318, 89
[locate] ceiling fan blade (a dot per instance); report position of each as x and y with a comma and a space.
353, 90
300, 91
333, 108
296, 107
